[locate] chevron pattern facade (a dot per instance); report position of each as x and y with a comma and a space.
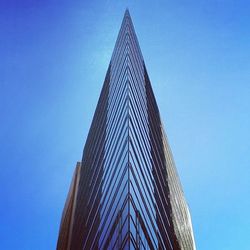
129, 195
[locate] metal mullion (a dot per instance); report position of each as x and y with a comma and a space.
155, 121
120, 155
118, 46
148, 175
118, 38
159, 160
113, 146
139, 117
124, 222
117, 73
145, 162
139, 138
177, 186
136, 210
138, 76
140, 134
114, 91
140, 123
114, 132
150, 190
146, 190
98, 148
155, 136
119, 200
143, 212
138, 73
105, 219
120, 57
141, 98
90, 197
166, 230
100, 107
144, 169
92, 187
138, 89
136, 41
114, 116
113, 98
122, 142
96, 214
136, 48
137, 62
153, 109
163, 192
159, 163
139, 59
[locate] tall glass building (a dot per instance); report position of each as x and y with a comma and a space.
125, 193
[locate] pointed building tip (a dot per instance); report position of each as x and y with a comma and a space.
127, 12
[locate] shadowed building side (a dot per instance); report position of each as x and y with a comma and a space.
166, 233
173, 213
67, 220
180, 212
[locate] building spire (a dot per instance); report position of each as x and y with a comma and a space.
128, 193
127, 12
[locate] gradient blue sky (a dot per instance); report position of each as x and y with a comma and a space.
54, 56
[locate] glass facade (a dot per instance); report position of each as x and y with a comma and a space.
129, 195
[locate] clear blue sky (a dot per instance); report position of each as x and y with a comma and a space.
54, 56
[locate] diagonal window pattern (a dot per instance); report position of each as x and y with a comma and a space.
128, 194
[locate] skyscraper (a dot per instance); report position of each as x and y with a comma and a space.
125, 193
